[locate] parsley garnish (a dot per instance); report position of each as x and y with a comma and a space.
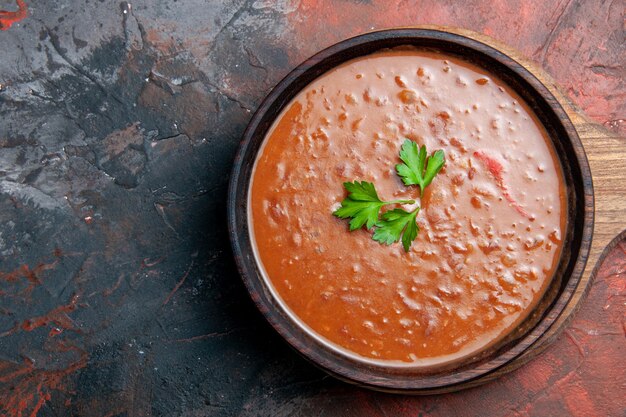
363, 205
395, 223
415, 170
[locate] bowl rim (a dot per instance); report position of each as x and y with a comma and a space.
380, 377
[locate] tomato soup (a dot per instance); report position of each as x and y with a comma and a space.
491, 222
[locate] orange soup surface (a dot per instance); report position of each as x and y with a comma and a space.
491, 222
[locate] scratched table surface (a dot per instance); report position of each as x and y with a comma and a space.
118, 125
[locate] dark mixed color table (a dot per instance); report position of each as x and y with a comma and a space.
118, 124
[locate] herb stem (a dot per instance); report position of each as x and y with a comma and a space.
400, 202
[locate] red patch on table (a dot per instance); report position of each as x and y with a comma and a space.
57, 316
32, 387
7, 19
30, 275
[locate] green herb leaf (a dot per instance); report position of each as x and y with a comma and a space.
418, 169
363, 205
396, 224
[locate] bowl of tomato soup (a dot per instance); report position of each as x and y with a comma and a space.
497, 234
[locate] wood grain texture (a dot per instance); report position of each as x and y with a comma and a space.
606, 153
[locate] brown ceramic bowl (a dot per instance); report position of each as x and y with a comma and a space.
490, 363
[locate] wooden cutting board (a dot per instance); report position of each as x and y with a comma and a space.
606, 153
606, 168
